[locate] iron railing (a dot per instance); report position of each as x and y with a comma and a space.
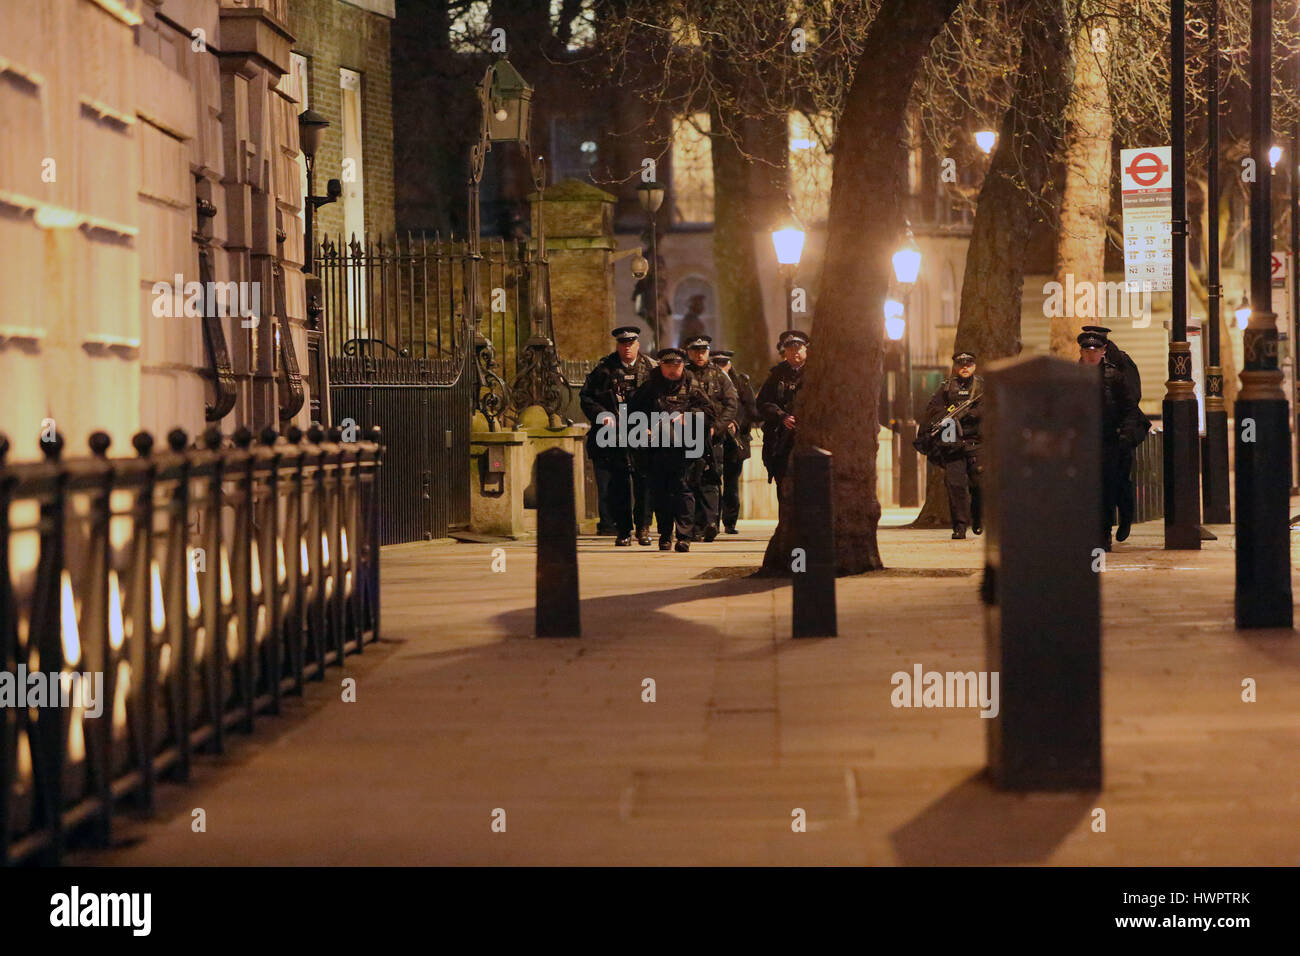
200, 583
1149, 477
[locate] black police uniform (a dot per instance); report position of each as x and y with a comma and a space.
673, 476
735, 449
959, 458
776, 400
717, 385
1124, 427
620, 479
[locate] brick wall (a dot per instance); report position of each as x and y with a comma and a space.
333, 34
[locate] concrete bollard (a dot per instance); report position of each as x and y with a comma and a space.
813, 613
1043, 565
557, 612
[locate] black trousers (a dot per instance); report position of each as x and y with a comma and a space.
605, 521
1117, 493
731, 470
673, 479
628, 497
961, 478
708, 488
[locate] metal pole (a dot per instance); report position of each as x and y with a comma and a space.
909, 493
1295, 283
1263, 589
1179, 410
1216, 496
654, 274
789, 294
309, 234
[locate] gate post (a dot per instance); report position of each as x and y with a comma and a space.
1042, 573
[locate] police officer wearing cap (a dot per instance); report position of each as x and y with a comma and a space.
717, 385
735, 447
671, 390
1123, 425
955, 408
621, 483
776, 409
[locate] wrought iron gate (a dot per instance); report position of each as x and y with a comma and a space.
400, 357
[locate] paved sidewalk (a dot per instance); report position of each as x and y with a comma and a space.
460, 713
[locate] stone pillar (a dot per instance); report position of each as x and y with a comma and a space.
579, 220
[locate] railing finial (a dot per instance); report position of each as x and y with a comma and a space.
177, 440
53, 447
142, 442
242, 437
212, 438
99, 443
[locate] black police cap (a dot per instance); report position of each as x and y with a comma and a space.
673, 352
792, 335
1091, 340
723, 354
699, 341
963, 358
627, 333
1097, 329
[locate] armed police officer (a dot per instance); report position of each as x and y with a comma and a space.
618, 473
1124, 427
776, 409
671, 393
951, 438
717, 385
735, 448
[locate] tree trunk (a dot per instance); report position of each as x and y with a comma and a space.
746, 196
837, 406
1085, 205
1016, 191
1018, 188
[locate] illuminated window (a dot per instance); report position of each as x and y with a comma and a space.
582, 28
470, 25
684, 33
692, 169
914, 158
810, 166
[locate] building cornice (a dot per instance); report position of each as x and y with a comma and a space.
385, 8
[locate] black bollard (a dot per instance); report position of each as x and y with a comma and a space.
557, 547
1043, 561
813, 613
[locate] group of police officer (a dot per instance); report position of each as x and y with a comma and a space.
690, 498
950, 434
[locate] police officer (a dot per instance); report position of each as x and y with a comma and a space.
1124, 427
673, 475
735, 447
955, 408
618, 472
776, 409
717, 385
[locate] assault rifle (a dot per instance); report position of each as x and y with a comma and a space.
927, 443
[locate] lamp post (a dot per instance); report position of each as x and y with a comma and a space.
311, 126
1215, 494
1182, 458
986, 139
907, 269
651, 197
1263, 559
505, 101
788, 243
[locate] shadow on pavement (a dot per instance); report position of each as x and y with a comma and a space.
977, 825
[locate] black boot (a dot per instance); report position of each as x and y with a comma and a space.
959, 532
643, 537
665, 544
623, 541
683, 545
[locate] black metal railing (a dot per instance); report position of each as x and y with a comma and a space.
200, 583
1149, 477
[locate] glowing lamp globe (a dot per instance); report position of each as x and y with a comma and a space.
907, 264
895, 324
986, 139
788, 243
1243, 315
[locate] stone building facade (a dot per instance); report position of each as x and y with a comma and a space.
151, 210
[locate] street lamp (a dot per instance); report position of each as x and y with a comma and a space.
1263, 476
311, 126
986, 139
895, 323
651, 197
1243, 313
788, 243
1274, 154
907, 268
1216, 504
